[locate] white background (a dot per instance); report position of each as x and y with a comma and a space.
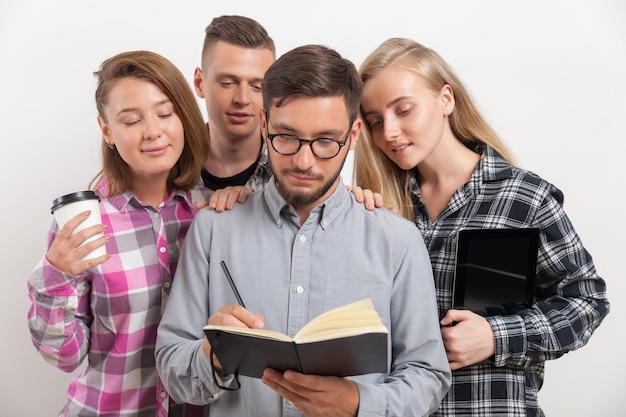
549, 76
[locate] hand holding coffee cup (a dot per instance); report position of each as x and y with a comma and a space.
81, 235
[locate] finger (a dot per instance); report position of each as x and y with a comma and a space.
90, 263
457, 360
455, 315
232, 198
67, 230
446, 320
201, 204
227, 199
285, 388
217, 200
455, 365
243, 194
79, 243
237, 194
368, 197
215, 197
206, 348
308, 382
85, 249
73, 263
236, 315
378, 200
88, 232
358, 194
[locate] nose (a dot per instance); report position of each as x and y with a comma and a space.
151, 129
242, 94
304, 158
391, 129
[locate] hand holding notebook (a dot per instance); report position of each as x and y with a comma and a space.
348, 340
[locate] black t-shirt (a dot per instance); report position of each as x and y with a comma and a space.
217, 183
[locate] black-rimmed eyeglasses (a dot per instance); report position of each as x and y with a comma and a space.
322, 148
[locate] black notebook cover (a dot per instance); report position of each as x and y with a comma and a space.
495, 267
249, 355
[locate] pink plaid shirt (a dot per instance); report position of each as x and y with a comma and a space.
110, 313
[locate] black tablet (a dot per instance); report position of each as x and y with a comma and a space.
495, 267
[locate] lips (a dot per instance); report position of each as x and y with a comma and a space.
400, 148
301, 176
239, 117
155, 150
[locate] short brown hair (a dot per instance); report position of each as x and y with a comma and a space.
312, 71
238, 30
158, 70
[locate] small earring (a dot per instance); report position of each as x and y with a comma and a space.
110, 145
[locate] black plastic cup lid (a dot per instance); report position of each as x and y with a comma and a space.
72, 198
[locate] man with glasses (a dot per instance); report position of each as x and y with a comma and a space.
300, 247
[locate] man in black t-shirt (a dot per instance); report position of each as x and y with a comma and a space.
236, 53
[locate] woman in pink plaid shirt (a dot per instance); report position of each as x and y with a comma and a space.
107, 309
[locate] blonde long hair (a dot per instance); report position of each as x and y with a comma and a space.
372, 168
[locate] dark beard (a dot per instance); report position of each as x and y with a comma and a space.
299, 199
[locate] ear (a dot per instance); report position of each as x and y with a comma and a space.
355, 132
106, 131
197, 82
447, 99
262, 120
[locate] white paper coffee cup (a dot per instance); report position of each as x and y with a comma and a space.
68, 206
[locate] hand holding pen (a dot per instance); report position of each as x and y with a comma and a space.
231, 314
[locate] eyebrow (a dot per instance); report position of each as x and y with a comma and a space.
134, 109
391, 103
221, 75
325, 132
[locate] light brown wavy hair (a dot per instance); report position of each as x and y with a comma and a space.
154, 68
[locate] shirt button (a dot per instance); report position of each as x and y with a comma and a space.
302, 238
155, 215
166, 284
299, 289
163, 394
162, 249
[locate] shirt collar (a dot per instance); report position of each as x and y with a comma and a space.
121, 201
491, 167
323, 214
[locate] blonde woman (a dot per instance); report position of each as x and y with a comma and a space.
430, 153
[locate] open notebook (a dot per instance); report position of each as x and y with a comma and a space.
495, 267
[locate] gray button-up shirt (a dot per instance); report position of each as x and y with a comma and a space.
291, 273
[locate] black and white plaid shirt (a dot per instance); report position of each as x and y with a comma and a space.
262, 173
570, 297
